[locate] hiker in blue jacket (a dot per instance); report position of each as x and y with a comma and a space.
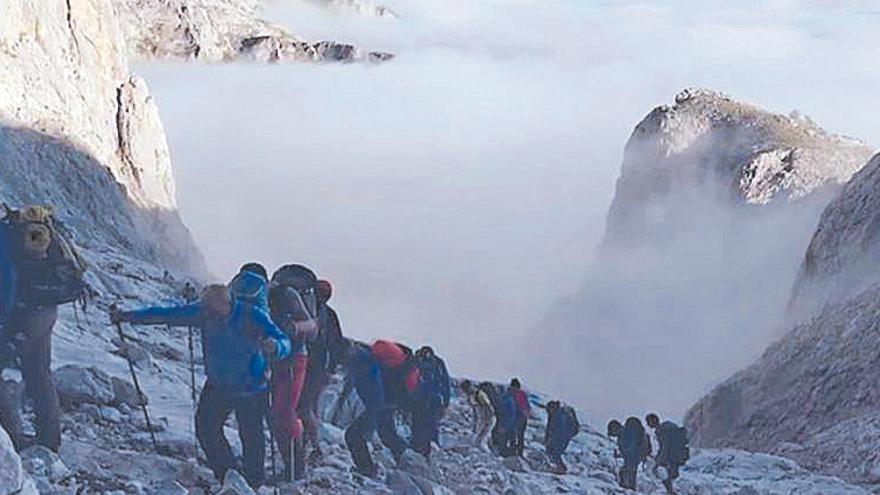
237, 338
562, 426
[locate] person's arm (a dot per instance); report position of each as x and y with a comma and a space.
181, 316
283, 345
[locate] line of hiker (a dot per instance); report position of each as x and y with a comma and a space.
270, 346
634, 446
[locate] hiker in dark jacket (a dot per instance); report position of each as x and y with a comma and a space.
438, 385
238, 339
634, 445
325, 353
672, 449
43, 272
523, 412
504, 431
562, 426
385, 381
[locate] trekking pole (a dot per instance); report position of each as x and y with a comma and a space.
137, 385
192, 385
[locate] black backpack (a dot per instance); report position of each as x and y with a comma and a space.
675, 442
57, 279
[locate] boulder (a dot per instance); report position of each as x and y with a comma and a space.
11, 473
235, 484
78, 384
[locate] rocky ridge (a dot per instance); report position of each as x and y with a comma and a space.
223, 30
709, 147
715, 201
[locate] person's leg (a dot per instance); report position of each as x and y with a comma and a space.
521, 436
308, 409
36, 361
388, 434
366, 379
249, 412
214, 407
424, 424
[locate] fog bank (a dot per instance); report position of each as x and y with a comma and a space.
454, 194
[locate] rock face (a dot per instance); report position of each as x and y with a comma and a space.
841, 259
82, 133
710, 148
221, 30
812, 396
715, 203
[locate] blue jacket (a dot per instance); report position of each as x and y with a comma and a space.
233, 355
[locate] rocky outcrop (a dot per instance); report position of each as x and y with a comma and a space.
715, 203
813, 395
710, 149
222, 30
80, 132
841, 260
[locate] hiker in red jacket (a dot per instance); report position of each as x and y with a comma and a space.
522, 415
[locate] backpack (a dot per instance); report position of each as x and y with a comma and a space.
569, 413
434, 381
633, 441
675, 442
292, 297
57, 279
506, 412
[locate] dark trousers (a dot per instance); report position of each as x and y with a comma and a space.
519, 436
367, 377
35, 352
671, 474
555, 448
316, 381
215, 406
628, 473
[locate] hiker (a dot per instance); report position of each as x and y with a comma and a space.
386, 380
188, 293
326, 351
634, 445
437, 385
521, 401
505, 418
672, 449
292, 302
562, 426
484, 413
40, 271
238, 339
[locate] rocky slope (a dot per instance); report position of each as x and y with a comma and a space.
812, 396
715, 203
106, 451
841, 259
222, 30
